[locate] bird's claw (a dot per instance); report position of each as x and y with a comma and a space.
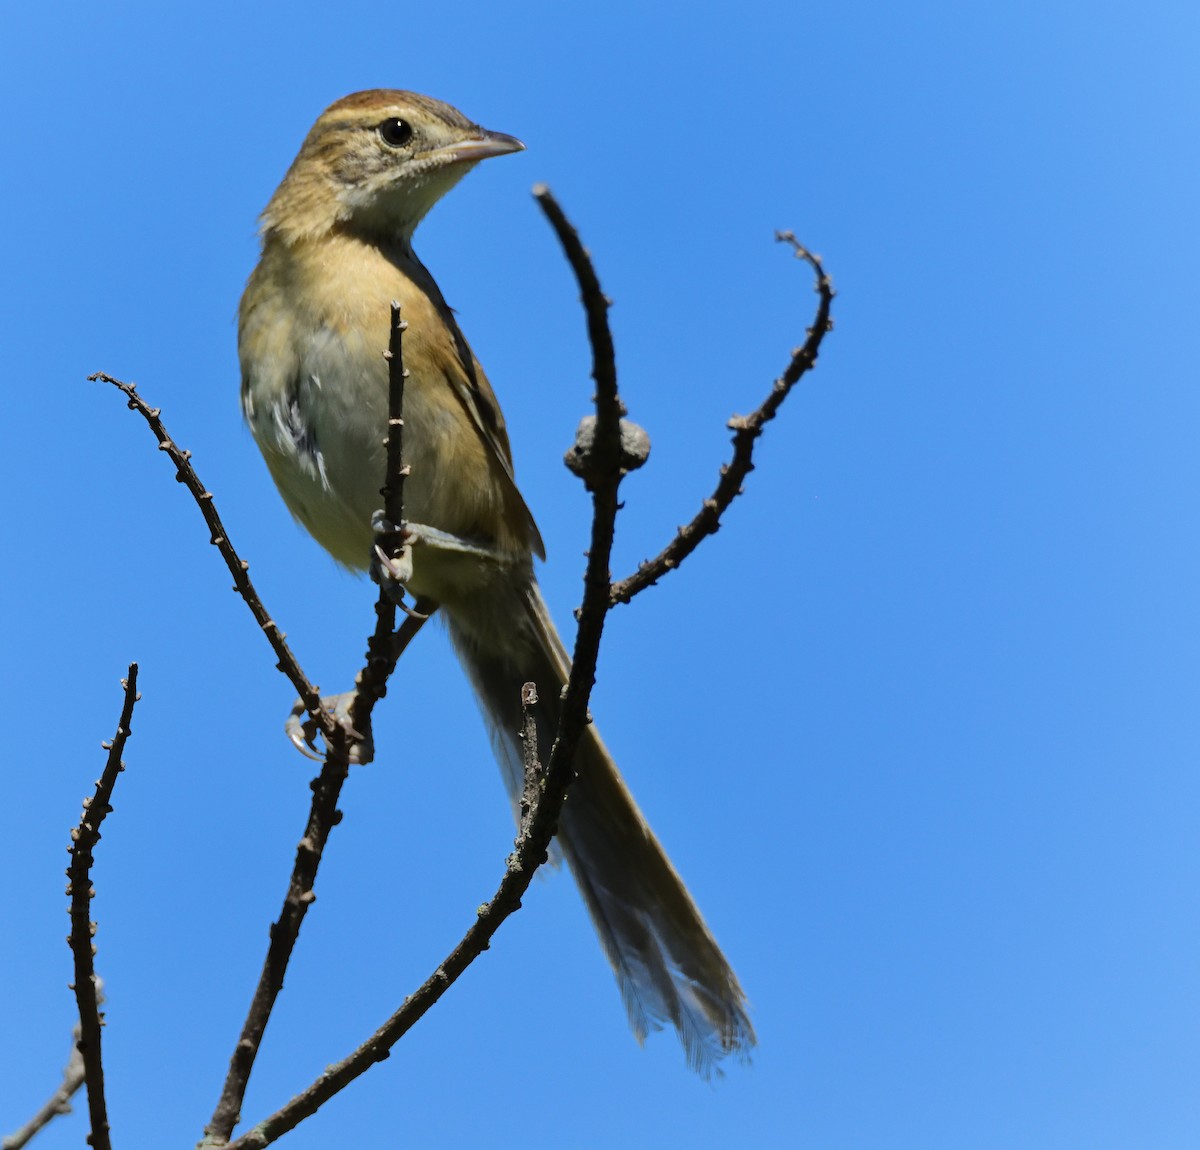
391, 557
304, 732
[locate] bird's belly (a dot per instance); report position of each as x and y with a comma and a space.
323, 438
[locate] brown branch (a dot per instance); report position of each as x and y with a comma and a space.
606, 467
595, 305
393, 484
385, 645
185, 473
746, 430
83, 842
547, 795
384, 649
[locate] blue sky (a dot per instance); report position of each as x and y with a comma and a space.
918, 726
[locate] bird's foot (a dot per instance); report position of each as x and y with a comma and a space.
303, 731
391, 558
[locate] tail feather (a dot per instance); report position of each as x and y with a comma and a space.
669, 967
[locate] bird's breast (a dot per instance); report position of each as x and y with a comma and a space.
313, 328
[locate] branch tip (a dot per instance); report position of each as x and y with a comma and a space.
746, 431
88, 986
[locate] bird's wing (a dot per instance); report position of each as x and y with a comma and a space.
473, 390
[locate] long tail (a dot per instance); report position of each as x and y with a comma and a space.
668, 965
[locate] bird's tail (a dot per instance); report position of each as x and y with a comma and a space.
668, 965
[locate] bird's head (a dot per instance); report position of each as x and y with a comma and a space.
375, 162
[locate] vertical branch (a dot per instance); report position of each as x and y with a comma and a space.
385, 646
603, 473
393, 485
83, 842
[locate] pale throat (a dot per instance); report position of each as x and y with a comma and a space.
392, 210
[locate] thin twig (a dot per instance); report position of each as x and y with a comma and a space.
383, 650
746, 430
83, 842
595, 305
533, 838
385, 646
393, 485
606, 466
186, 474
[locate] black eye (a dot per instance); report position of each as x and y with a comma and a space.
395, 132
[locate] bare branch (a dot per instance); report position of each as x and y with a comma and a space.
746, 430
385, 645
606, 464
595, 305
186, 474
393, 484
547, 797
384, 649
83, 842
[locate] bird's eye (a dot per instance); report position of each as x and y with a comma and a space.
395, 132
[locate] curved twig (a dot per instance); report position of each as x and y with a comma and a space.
746, 429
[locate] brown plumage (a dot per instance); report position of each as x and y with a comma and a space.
337, 248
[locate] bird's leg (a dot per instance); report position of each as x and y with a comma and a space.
444, 541
391, 557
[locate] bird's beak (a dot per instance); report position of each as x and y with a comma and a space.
481, 147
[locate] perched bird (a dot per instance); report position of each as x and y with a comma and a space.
314, 319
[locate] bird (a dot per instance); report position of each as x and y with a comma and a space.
336, 249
